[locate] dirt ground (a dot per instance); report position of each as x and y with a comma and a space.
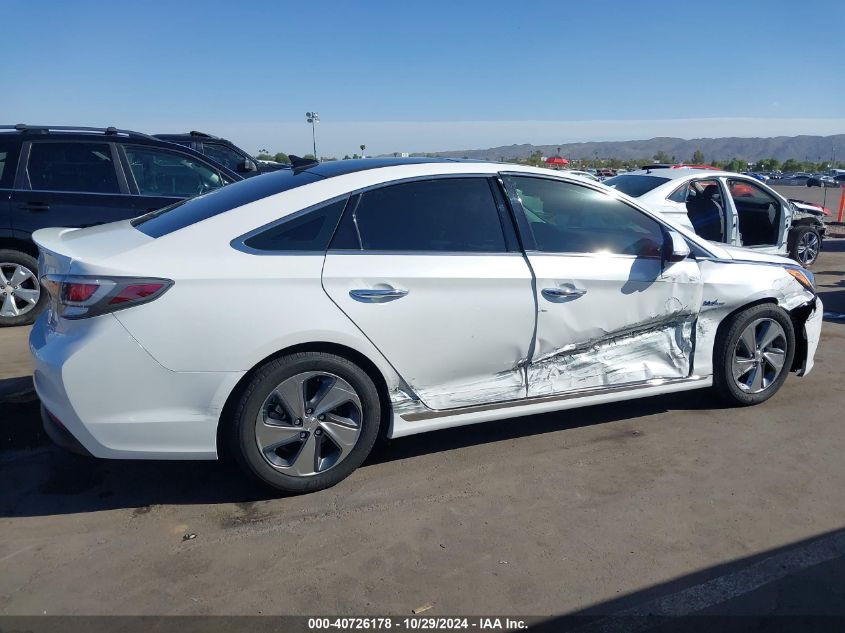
664, 504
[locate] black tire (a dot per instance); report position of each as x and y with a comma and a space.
796, 236
726, 344
17, 258
242, 427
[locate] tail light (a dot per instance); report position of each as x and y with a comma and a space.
77, 297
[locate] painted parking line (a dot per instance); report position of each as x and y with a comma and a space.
722, 588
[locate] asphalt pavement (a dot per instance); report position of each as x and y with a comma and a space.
671, 504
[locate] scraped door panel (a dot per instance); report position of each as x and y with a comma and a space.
625, 321
455, 327
608, 311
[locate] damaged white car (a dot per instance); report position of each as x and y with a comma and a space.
291, 318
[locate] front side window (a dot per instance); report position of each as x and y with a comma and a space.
8, 162
72, 166
310, 231
440, 215
160, 172
569, 218
226, 156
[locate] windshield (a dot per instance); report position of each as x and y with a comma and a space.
635, 186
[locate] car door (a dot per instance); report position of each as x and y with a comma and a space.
69, 183
433, 277
163, 176
610, 311
763, 218
694, 198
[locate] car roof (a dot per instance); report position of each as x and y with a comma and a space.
25, 133
681, 173
191, 136
329, 169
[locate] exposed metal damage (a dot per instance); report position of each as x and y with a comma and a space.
655, 349
658, 348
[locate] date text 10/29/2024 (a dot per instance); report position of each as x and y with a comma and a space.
417, 623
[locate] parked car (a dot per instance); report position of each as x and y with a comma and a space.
224, 152
582, 174
728, 208
75, 177
291, 319
820, 180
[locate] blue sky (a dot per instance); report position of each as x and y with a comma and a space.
427, 75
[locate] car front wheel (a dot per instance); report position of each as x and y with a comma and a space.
306, 421
21, 298
753, 355
805, 244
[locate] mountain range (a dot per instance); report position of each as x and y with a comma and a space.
812, 148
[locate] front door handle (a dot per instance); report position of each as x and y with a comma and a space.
559, 294
37, 207
377, 295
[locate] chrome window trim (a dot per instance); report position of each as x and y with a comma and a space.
239, 242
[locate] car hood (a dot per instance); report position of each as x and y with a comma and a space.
750, 255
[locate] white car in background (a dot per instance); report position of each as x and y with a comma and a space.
727, 208
582, 174
293, 317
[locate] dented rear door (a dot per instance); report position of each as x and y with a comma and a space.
426, 272
609, 313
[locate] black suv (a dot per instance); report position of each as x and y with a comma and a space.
77, 177
224, 152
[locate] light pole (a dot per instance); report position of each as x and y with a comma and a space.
313, 118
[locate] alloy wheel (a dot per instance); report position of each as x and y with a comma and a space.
308, 424
759, 355
19, 290
808, 247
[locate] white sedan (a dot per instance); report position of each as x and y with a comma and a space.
293, 317
729, 208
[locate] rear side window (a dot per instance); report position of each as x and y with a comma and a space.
70, 166
194, 210
309, 231
8, 162
441, 215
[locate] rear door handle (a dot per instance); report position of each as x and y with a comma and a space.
377, 295
37, 207
567, 292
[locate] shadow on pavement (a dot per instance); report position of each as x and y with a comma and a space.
40, 479
798, 587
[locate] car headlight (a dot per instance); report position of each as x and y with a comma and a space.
803, 277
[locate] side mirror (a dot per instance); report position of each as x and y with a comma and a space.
247, 166
675, 247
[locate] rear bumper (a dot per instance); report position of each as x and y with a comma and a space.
104, 395
60, 436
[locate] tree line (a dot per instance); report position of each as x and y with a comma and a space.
698, 158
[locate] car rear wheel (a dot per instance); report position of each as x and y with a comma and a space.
753, 355
21, 298
805, 244
306, 421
